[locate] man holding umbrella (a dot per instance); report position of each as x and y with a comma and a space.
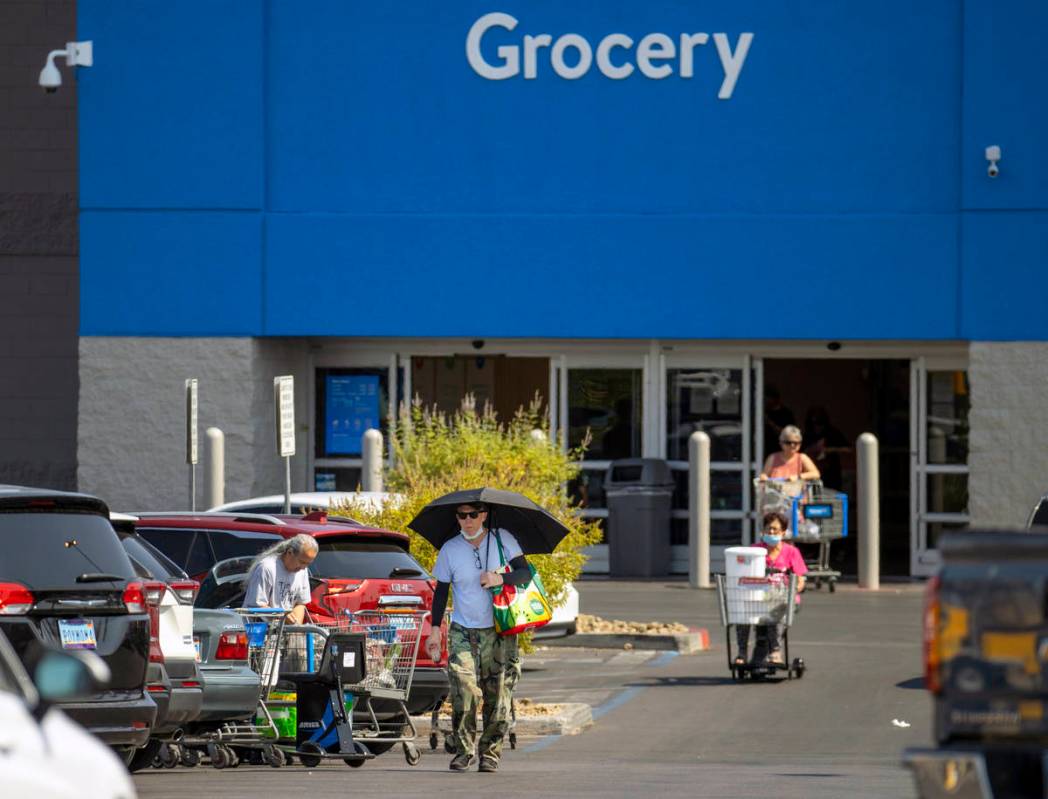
481, 663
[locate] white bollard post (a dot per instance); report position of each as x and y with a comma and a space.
699, 510
215, 468
371, 468
869, 510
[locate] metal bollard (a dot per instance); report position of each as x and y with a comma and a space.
699, 510
215, 468
869, 508
371, 468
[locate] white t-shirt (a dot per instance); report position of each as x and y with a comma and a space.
272, 585
457, 564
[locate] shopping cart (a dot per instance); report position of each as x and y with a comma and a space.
816, 515
378, 699
819, 516
758, 601
254, 738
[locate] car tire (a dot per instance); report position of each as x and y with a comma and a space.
138, 759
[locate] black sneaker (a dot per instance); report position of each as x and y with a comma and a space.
462, 762
488, 764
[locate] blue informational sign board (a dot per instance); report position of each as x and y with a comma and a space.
351, 406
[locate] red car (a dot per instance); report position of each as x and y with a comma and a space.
357, 568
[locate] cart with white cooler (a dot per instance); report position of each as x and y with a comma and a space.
751, 597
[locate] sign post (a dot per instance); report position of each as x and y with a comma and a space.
284, 402
192, 438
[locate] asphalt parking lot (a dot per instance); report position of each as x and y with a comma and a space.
678, 724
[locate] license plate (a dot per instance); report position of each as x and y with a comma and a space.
77, 634
196, 646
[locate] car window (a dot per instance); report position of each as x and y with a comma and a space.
354, 559
1040, 514
200, 558
50, 550
154, 562
237, 544
173, 543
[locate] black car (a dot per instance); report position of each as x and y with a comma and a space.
66, 582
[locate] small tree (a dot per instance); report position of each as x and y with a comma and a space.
436, 453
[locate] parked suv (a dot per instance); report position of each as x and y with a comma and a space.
357, 568
172, 678
66, 582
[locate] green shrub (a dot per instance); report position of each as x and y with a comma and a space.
436, 453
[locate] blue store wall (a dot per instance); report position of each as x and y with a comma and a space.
255, 168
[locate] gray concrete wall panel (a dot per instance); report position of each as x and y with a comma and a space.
131, 418
1009, 426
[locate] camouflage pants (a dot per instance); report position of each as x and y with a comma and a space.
482, 667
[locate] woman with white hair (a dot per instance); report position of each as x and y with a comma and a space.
790, 463
279, 577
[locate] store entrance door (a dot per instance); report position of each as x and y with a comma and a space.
833, 401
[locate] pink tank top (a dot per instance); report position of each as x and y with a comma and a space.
790, 468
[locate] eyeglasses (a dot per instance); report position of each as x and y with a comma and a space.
773, 530
787, 442
476, 557
473, 514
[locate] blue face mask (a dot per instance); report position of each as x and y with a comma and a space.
771, 540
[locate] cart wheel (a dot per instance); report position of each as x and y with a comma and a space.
168, 755
190, 757
309, 754
513, 740
833, 587
363, 753
218, 755
433, 741
273, 757
412, 754
234, 758
798, 667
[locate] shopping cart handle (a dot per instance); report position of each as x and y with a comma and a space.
260, 611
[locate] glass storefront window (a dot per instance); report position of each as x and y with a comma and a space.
948, 404
709, 400
725, 490
947, 493
587, 490
723, 532
607, 403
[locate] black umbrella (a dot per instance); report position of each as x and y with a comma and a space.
534, 528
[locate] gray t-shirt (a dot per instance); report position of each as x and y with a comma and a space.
272, 585
457, 565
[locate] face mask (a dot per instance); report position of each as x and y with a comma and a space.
473, 537
771, 540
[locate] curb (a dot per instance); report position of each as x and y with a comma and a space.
683, 643
573, 719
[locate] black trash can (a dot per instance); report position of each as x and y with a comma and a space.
639, 492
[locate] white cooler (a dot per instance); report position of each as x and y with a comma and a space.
743, 601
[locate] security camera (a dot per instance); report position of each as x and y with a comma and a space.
993, 155
50, 77
478, 343
77, 54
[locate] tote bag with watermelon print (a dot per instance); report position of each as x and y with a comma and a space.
519, 607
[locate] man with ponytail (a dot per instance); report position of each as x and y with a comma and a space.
279, 577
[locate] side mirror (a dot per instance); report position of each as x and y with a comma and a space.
62, 675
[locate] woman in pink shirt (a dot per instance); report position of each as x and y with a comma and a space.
791, 463
782, 558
